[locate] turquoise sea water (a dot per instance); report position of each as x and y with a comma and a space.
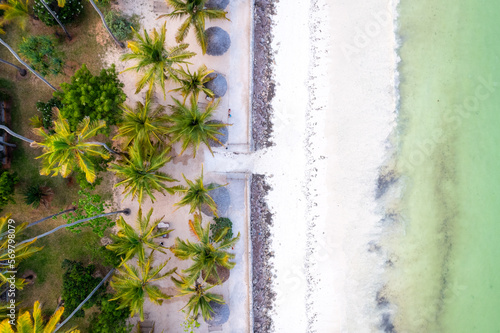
446, 275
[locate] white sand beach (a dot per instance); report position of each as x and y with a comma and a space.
334, 111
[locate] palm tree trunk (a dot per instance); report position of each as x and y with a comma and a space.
125, 211
105, 146
120, 44
14, 134
55, 18
51, 216
85, 300
21, 71
25, 64
8, 144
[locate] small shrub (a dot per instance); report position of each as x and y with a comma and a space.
111, 319
47, 111
89, 205
96, 97
78, 282
65, 14
35, 195
120, 25
41, 54
7, 183
220, 224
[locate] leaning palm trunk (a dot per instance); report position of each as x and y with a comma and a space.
14, 134
120, 44
72, 209
55, 18
125, 211
21, 71
85, 300
25, 64
105, 147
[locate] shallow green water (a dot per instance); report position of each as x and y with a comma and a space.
447, 261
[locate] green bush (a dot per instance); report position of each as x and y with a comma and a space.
41, 54
121, 26
78, 283
220, 224
35, 195
110, 319
89, 205
96, 97
47, 110
7, 183
65, 14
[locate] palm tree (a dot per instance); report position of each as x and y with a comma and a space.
145, 125
133, 284
155, 59
64, 150
196, 14
193, 127
15, 11
26, 65
22, 251
21, 71
193, 83
26, 324
206, 255
140, 174
196, 194
128, 242
199, 299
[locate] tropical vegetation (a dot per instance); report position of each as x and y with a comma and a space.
155, 59
196, 15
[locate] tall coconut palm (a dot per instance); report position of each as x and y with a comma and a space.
25, 323
21, 71
200, 299
15, 11
145, 125
196, 194
193, 83
26, 65
134, 284
193, 127
139, 173
21, 251
64, 150
207, 256
196, 14
129, 242
155, 59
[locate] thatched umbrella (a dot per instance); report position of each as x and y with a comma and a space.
220, 314
218, 84
221, 137
223, 272
221, 198
216, 4
218, 41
